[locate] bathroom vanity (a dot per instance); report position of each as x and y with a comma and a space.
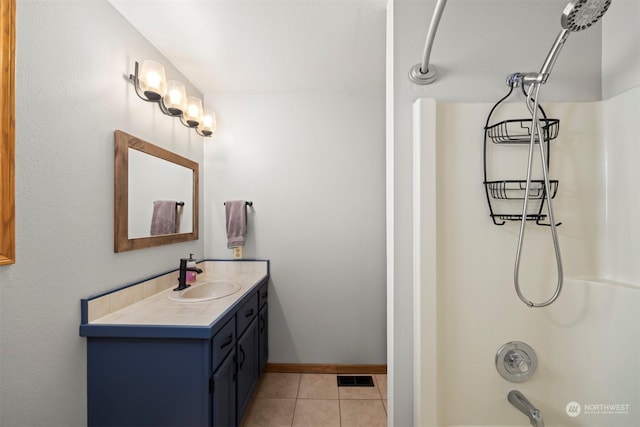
158, 361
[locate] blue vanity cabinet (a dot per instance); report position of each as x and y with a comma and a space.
147, 382
247, 353
263, 328
223, 342
205, 376
247, 366
222, 385
223, 392
263, 295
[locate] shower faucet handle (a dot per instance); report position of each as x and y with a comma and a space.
517, 362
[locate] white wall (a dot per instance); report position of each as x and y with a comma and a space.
313, 165
620, 48
71, 94
621, 233
621, 72
477, 45
390, 207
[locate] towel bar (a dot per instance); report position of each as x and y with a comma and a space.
246, 203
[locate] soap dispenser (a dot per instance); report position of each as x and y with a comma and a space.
191, 275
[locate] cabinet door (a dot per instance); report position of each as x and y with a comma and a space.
223, 393
247, 366
263, 334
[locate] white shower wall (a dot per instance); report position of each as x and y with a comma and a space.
588, 341
621, 240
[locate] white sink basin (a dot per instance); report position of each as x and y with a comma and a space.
206, 291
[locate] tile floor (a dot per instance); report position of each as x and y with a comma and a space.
315, 400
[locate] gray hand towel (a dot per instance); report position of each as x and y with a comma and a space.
164, 218
236, 212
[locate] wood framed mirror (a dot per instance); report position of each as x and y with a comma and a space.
7, 131
145, 175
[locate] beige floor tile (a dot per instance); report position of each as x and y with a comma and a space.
381, 379
384, 402
280, 386
318, 386
360, 392
316, 413
270, 413
362, 413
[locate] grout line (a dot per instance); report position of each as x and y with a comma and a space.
297, 397
293, 416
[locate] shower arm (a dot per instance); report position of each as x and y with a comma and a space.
424, 73
549, 62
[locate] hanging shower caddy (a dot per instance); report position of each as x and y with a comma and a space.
517, 131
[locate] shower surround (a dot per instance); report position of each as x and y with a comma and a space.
465, 306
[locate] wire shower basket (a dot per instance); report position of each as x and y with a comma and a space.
517, 131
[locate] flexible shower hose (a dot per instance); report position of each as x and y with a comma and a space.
532, 105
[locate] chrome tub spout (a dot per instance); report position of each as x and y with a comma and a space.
518, 400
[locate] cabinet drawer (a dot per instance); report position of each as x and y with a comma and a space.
247, 312
222, 343
263, 294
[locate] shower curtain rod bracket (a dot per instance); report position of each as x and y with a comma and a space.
425, 73
418, 77
514, 80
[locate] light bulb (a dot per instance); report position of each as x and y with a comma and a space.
208, 125
152, 80
193, 114
176, 98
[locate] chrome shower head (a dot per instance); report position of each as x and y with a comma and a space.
581, 14
577, 16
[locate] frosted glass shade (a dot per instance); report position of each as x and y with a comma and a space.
208, 125
193, 113
176, 98
152, 80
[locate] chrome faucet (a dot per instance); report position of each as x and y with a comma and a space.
182, 277
518, 400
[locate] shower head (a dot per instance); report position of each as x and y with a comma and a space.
577, 16
581, 14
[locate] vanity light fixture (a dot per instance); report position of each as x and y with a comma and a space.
208, 124
152, 80
152, 86
176, 98
193, 114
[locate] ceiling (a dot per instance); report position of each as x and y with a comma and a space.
268, 46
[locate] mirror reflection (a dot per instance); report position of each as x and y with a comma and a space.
160, 199
156, 195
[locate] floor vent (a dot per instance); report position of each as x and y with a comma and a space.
355, 381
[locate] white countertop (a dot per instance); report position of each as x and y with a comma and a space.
158, 309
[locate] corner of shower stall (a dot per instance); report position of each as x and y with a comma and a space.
465, 306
